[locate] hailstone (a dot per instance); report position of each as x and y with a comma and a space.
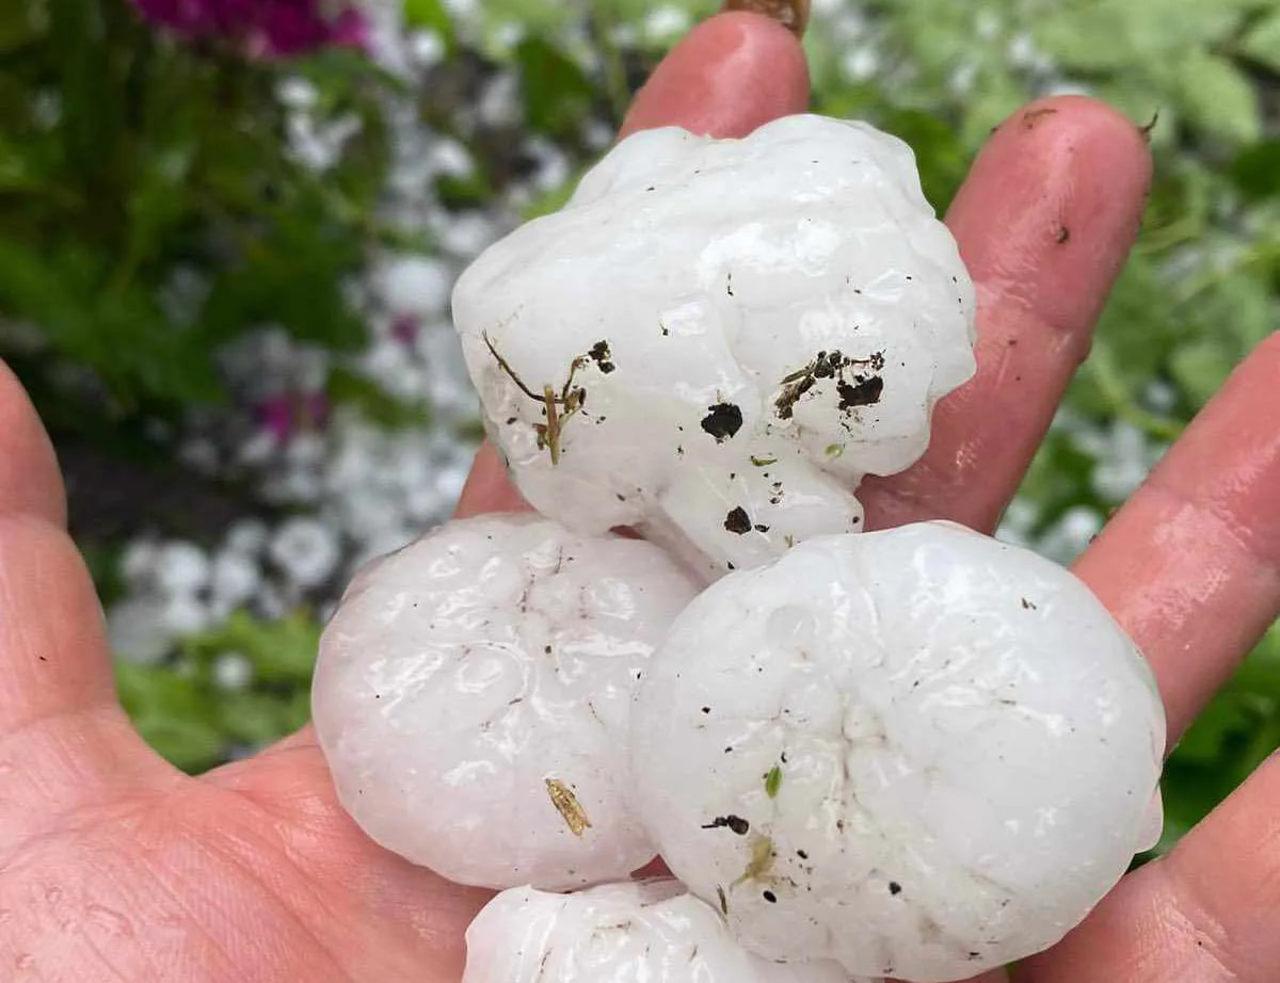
634, 932
472, 697
920, 752
716, 339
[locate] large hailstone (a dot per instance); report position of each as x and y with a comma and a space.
636, 932
472, 697
921, 752
716, 339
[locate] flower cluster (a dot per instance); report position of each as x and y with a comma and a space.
264, 28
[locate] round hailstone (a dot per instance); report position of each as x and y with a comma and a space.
716, 339
921, 752
650, 931
472, 697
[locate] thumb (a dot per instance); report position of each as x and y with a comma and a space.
61, 726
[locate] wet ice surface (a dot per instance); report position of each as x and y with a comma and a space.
638, 932
921, 752
472, 697
756, 324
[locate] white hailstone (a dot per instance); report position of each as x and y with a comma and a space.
306, 550
414, 284
716, 339
181, 568
472, 697
652, 931
920, 752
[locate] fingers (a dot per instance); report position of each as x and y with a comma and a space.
54, 666
1190, 566
488, 489
1044, 222
29, 479
731, 74
53, 649
1205, 913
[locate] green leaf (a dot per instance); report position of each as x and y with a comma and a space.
1256, 171
173, 713
558, 96
282, 652
375, 403
1218, 98
1262, 43
1200, 368
551, 201
429, 15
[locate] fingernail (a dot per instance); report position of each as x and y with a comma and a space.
791, 14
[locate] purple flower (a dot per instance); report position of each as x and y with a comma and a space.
267, 28
404, 329
288, 413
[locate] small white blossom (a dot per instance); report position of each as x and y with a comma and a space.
232, 670
306, 550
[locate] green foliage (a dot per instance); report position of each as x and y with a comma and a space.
126, 157
1237, 732
182, 711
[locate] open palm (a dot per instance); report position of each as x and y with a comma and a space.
115, 866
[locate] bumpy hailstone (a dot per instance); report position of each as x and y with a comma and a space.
637, 932
921, 752
472, 697
716, 339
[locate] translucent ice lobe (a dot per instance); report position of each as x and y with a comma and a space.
787, 297
472, 697
937, 752
634, 932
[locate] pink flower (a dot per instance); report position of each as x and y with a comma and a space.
267, 28
286, 414
404, 329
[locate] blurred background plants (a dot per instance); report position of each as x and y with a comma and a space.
226, 247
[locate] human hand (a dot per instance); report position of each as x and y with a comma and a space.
115, 866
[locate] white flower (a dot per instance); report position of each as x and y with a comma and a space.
136, 631
415, 285
236, 578
232, 670
306, 550
247, 536
185, 614
181, 568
